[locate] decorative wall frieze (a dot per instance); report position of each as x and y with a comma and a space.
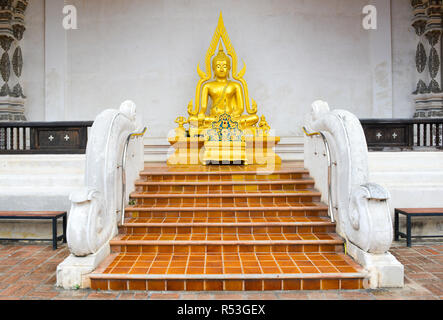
5, 67
17, 62
433, 37
17, 92
419, 26
434, 63
422, 88
434, 87
421, 58
427, 22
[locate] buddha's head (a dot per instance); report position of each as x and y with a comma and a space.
221, 64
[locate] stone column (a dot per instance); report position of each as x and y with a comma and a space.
427, 22
12, 27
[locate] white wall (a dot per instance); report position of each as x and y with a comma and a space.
34, 61
296, 51
37, 183
414, 180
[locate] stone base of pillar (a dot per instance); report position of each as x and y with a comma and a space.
12, 110
10, 117
73, 272
427, 114
429, 105
385, 271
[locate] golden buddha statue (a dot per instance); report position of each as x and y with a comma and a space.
223, 120
222, 95
226, 97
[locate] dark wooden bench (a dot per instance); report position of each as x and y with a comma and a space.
410, 213
38, 215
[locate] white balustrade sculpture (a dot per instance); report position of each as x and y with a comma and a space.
95, 210
359, 207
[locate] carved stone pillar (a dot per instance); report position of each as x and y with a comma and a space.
427, 23
12, 28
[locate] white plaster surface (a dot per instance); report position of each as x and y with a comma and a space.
56, 66
381, 61
296, 51
34, 61
34, 183
414, 180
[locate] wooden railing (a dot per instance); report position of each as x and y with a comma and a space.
70, 137
44, 137
412, 134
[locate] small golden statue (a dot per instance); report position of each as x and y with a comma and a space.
181, 131
219, 97
264, 127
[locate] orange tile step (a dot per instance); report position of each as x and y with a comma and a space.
223, 176
229, 271
192, 221
227, 225
223, 194
245, 199
232, 243
223, 169
223, 186
218, 211
162, 168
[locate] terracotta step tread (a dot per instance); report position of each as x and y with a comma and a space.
224, 182
201, 173
224, 170
226, 239
280, 207
195, 275
240, 265
277, 193
230, 222
223, 173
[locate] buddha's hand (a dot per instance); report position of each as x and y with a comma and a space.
190, 109
254, 107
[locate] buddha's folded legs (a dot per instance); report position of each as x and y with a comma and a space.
203, 124
246, 121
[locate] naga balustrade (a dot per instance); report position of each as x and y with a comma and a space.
404, 134
61, 137
360, 207
114, 159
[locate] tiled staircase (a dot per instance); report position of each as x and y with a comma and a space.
227, 228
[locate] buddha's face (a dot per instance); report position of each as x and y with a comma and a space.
221, 68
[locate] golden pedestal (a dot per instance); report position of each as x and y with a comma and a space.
260, 150
254, 150
187, 150
219, 152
